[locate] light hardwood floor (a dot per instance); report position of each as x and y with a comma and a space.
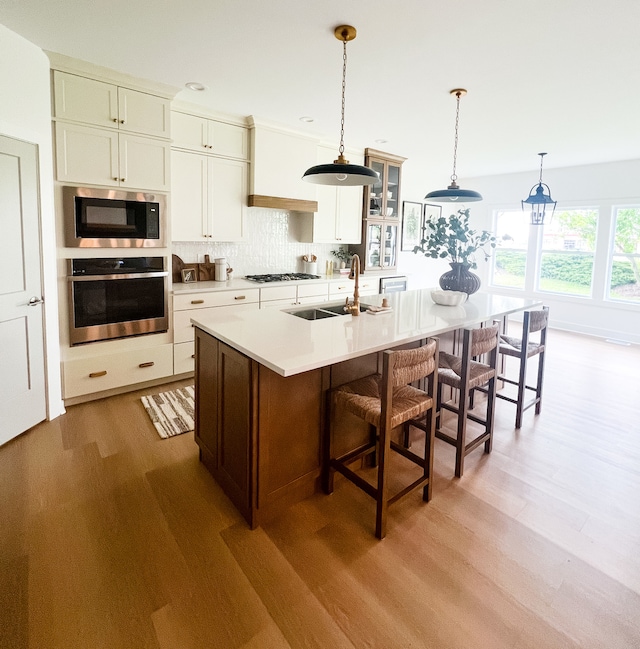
113, 538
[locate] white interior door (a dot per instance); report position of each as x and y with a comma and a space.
22, 382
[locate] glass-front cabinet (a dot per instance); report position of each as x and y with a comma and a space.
381, 248
381, 213
384, 196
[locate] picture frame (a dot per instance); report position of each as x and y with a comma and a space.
411, 225
189, 275
431, 212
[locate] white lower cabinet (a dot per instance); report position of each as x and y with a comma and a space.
203, 304
282, 297
208, 196
106, 372
346, 286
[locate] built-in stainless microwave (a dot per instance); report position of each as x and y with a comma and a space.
110, 218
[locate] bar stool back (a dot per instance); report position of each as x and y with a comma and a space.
523, 349
385, 402
465, 374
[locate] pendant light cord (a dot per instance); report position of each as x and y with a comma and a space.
542, 155
454, 177
344, 86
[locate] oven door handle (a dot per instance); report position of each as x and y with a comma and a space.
97, 278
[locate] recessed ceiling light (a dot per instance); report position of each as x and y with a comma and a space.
306, 119
194, 85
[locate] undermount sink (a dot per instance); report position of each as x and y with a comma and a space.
320, 313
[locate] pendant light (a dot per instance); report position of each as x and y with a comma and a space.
340, 172
539, 200
453, 192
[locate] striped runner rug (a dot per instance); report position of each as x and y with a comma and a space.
171, 412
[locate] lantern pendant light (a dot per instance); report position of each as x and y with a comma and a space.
453, 192
539, 200
341, 172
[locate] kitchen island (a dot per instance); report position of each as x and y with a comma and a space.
262, 378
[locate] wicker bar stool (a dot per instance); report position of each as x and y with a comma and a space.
385, 402
465, 374
523, 349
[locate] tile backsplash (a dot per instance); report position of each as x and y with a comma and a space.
269, 246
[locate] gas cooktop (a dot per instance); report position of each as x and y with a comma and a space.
280, 277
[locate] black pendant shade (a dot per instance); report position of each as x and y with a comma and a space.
453, 192
340, 172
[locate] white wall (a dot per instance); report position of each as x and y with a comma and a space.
601, 186
25, 114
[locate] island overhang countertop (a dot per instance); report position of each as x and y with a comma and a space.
290, 345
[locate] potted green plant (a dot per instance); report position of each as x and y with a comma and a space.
453, 238
343, 255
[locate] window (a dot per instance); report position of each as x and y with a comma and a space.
510, 257
568, 246
624, 270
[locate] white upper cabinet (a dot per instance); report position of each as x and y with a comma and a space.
339, 215
209, 136
208, 196
98, 156
80, 99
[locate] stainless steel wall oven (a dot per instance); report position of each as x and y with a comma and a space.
117, 297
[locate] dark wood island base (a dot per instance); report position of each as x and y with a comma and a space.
260, 434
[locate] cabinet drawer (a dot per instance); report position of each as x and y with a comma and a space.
89, 375
314, 299
278, 293
217, 298
278, 304
183, 358
341, 287
366, 287
313, 289
182, 327
369, 287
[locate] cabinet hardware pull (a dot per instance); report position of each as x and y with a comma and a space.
193, 355
95, 375
147, 364
121, 121
115, 179
240, 297
197, 301
122, 180
115, 119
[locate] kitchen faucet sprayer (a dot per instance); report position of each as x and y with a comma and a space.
354, 307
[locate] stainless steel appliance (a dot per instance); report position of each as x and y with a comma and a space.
280, 277
110, 218
116, 298
393, 284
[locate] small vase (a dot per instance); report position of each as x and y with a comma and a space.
460, 278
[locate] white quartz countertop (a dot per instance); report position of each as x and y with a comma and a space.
290, 345
240, 284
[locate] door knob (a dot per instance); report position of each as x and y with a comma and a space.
35, 301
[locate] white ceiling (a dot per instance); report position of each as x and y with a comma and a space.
551, 75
